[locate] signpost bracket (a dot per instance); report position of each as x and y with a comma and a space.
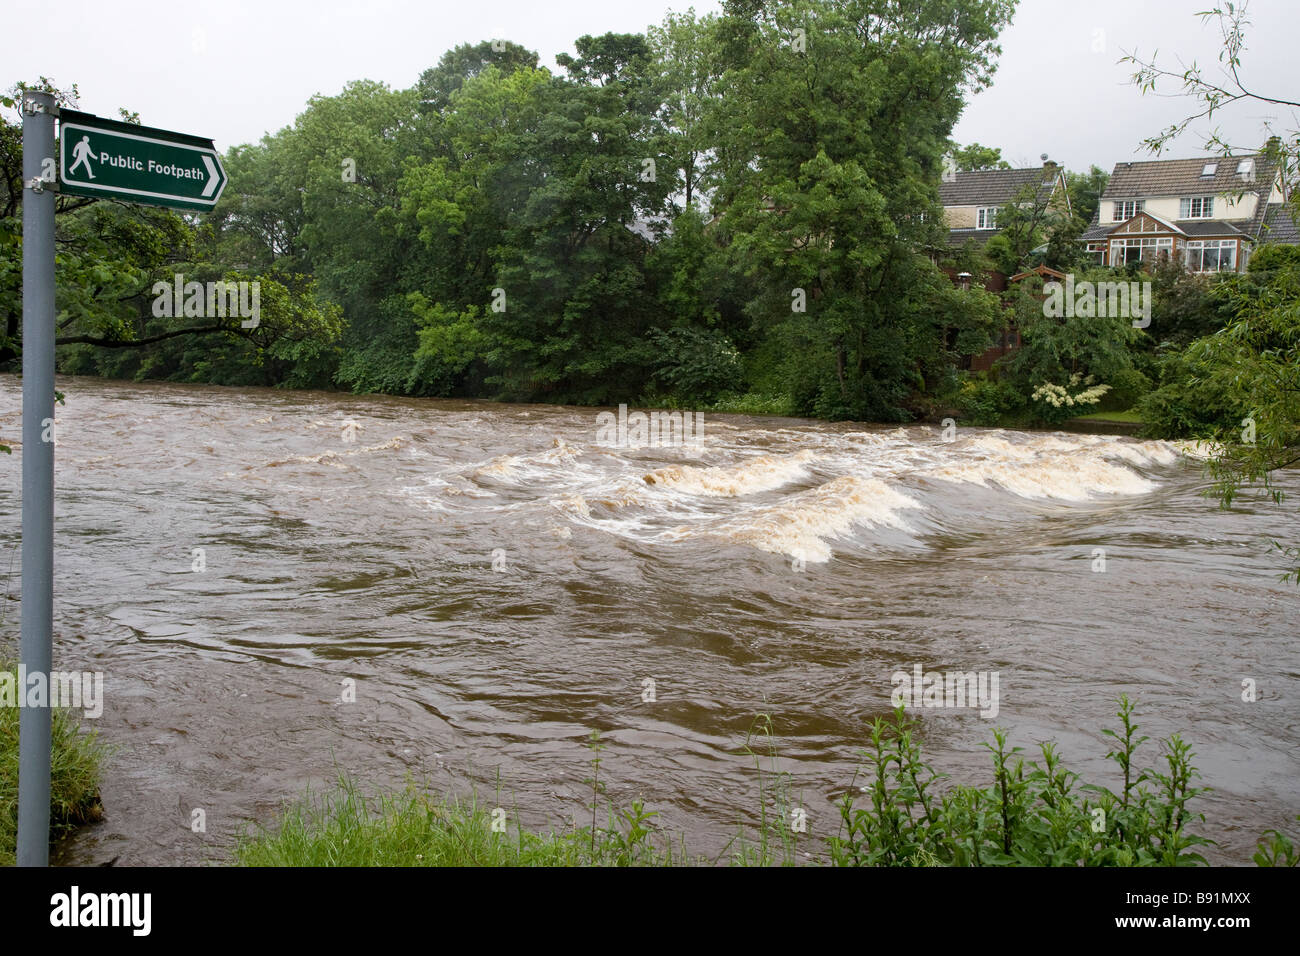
31, 108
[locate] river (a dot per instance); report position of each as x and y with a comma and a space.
492, 583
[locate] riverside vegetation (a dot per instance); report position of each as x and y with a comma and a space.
76, 764
1030, 814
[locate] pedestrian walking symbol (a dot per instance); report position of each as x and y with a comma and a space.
82, 154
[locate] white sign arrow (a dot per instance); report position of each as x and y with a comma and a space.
213, 178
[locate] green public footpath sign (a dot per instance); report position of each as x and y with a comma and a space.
108, 159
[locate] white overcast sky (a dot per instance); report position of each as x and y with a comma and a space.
233, 70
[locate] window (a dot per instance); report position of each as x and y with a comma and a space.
1210, 255
1124, 251
1127, 209
1097, 253
1210, 169
1196, 207
1246, 169
987, 217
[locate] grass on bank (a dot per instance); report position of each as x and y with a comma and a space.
413, 828
1131, 416
1031, 813
76, 759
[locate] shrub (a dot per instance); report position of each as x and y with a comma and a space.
697, 364
1053, 404
1030, 815
1186, 405
1126, 390
983, 401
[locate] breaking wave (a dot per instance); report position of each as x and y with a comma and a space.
861, 488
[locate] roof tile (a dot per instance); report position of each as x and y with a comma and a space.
995, 187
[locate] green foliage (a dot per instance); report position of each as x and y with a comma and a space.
1248, 368
1031, 814
1277, 849
1127, 387
977, 157
344, 827
1085, 191
76, 760
616, 230
754, 403
986, 401
1185, 405
1187, 305
1036, 212
438, 84
1074, 352
696, 364
824, 157
1271, 256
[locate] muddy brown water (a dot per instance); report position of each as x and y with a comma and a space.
498, 584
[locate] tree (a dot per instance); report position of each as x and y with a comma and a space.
1037, 211
1085, 191
538, 203
686, 51
1066, 354
830, 130
438, 83
975, 157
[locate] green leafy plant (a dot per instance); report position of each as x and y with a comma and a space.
1277, 849
1032, 814
75, 767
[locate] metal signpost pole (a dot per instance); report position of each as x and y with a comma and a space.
100, 158
38, 476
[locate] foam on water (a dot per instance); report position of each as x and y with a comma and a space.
762, 473
867, 480
802, 524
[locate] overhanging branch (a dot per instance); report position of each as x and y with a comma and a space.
133, 343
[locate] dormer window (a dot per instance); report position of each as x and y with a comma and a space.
987, 217
1210, 169
1196, 207
1126, 209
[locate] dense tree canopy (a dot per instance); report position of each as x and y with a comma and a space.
730, 204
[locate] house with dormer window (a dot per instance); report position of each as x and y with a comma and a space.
1207, 213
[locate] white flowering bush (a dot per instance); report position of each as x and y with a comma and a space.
1055, 403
